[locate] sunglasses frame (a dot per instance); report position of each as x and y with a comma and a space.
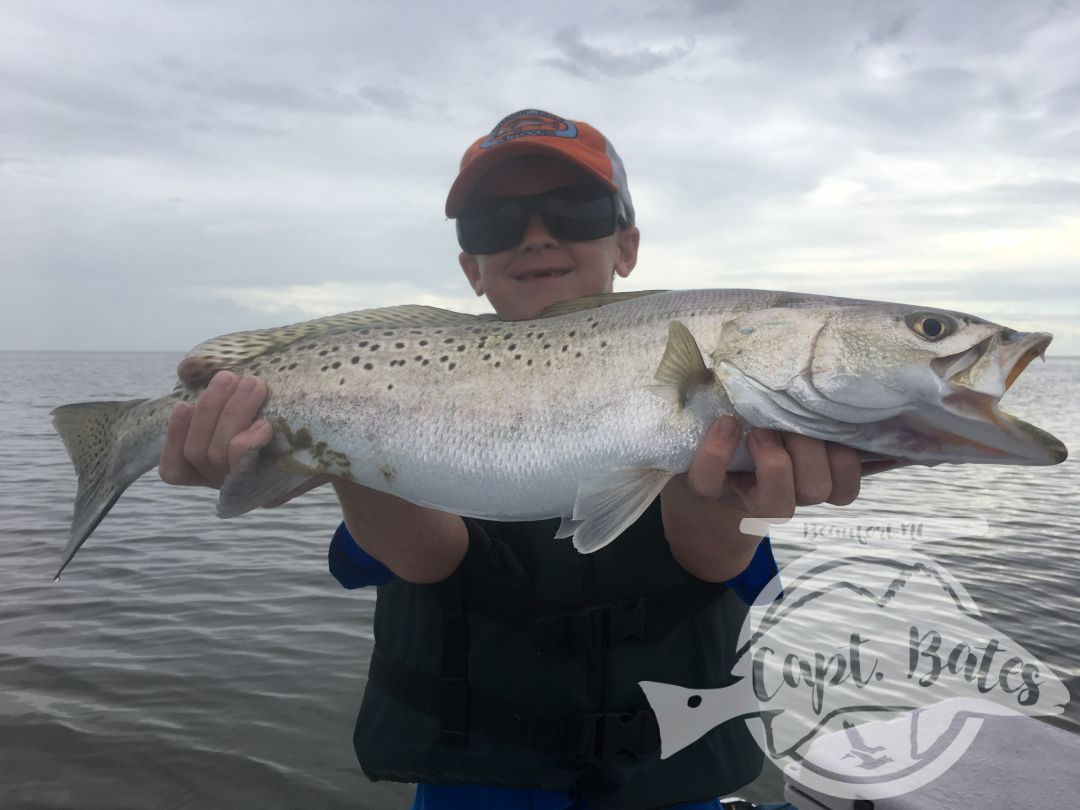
535, 204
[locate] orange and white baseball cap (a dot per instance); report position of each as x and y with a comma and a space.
535, 132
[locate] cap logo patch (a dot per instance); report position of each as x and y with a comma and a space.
527, 123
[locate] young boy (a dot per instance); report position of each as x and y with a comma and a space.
506, 664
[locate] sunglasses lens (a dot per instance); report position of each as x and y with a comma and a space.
580, 219
576, 213
492, 227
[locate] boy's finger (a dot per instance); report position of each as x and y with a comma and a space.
204, 421
846, 468
772, 494
708, 471
237, 415
258, 435
172, 466
810, 466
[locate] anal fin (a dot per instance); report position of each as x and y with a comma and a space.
262, 475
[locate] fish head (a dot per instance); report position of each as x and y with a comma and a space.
944, 371
913, 383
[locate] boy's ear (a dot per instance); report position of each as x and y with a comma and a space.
471, 267
627, 241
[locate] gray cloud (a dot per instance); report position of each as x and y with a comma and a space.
580, 57
156, 155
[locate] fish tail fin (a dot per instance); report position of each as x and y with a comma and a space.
109, 452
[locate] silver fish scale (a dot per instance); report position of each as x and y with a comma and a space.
459, 416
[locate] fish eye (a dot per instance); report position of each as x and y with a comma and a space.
930, 325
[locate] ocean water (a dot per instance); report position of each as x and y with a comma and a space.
185, 661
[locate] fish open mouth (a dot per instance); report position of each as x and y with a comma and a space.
974, 383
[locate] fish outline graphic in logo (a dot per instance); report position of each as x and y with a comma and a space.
529, 123
868, 629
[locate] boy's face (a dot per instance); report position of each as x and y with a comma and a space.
542, 270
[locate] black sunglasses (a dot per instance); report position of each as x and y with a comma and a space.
574, 213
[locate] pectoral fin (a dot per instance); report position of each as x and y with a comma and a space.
682, 368
607, 504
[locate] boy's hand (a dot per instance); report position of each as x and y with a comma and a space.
702, 510
790, 470
204, 441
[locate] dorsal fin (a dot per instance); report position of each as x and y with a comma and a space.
237, 348
591, 302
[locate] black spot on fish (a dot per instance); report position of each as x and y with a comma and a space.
301, 439
511, 347
443, 359
362, 344
517, 356
368, 366
487, 356
423, 343
461, 348
573, 333
337, 348
292, 366
418, 358
508, 335
452, 366
341, 381
323, 353
498, 363
603, 344
548, 364
335, 364
528, 362
355, 359
425, 362
578, 354
399, 345
448, 340
324, 368
374, 347
564, 348
390, 387
547, 345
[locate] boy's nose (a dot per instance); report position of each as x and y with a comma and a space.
536, 236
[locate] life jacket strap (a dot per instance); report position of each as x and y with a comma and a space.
561, 628
453, 686
579, 738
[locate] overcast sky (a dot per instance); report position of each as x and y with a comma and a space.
173, 171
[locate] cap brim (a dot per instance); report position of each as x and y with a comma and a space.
470, 176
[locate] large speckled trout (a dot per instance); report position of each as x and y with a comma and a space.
583, 413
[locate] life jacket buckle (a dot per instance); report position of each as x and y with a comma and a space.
605, 737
